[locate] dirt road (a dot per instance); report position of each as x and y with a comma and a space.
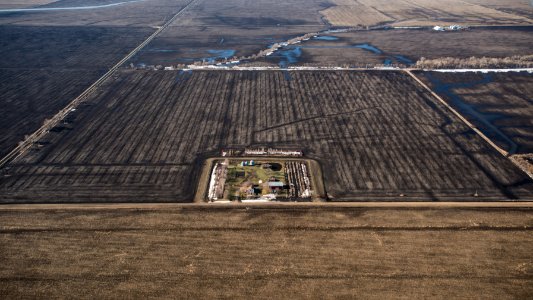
267, 205
39, 133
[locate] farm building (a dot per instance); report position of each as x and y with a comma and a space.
246, 163
276, 185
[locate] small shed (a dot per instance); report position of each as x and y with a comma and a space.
276, 185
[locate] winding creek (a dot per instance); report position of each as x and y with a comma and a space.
291, 54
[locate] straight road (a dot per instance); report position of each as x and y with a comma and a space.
39, 133
267, 205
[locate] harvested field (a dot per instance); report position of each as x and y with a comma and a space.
98, 204
517, 7
185, 45
44, 68
407, 46
250, 14
58, 48
352, 13
419, 13
207, 31
134, 14
278, 253
377, 135
9, 4
500, 104
29, 97
86, 3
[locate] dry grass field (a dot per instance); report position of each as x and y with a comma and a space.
250, 13
53, 56
342, 48
353, 13
421, 13
233, 28
44, 68
187, 44
498, 103
518, 7
58, 48
144, 136
377, 135
206, 32
146, 13
9, 4
266, 253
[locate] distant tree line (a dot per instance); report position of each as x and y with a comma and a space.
517, 61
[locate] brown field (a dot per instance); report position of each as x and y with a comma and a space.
232, 12
135, 14
244, 13
204, 30
44, 68
412, 45
144, 136
185, 45
267, 253
517, 7
420, 13
353, 13
8, 4
240, 27
377, 135
500, 104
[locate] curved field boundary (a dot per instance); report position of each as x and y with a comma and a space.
39, 133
